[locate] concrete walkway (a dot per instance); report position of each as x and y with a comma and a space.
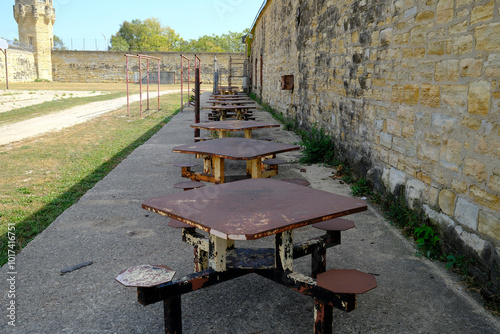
108, 226
53, 122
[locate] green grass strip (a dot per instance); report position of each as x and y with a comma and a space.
24, 113
43, 178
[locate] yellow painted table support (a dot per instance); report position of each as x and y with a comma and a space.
218, 169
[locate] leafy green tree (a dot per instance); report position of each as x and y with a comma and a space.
230, 42
59, 44
150, 35
147, 35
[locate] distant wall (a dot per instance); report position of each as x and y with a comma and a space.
105, 66
21, 66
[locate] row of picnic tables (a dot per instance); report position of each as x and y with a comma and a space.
213, 218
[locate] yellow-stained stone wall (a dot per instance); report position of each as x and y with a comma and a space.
21, 66
35, 19
105, 66
409, 89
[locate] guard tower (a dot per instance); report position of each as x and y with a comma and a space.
35, 19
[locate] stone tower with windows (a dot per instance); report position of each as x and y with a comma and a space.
35, 19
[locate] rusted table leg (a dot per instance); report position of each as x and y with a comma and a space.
284, 251
172, 315
207, 164
200, 259
217, 253
323, 317
318, 261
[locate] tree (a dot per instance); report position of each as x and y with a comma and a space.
150, 35
59, 44
147, 35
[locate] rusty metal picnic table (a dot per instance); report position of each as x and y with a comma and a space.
228, 90
234, 125
235, 96
232, 101
278, 208
221, 110
215, 152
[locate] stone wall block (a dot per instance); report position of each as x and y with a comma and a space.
416, 193
482, 13
443, 124
397, 179
444, 11
451, 155
494, 183
485, 198
436, 48
393, 127
428, 153
487, 37
466, 213
397, 95
454, 95
424, 16
472, 123
430, 95
459, 186
386, 140
447, 201
471, 67
479, 97
447, 70
418, 35
411, 93
475, 169
463, 44
489, 224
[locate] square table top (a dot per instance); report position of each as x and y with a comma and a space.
254, 208
235, 148
229, 107
235, 96
233, 101
234, 125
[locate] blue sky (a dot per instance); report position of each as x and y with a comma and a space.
190, 18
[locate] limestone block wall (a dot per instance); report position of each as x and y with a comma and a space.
105, 66
21, 66
409, 89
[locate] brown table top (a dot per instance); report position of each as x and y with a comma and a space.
252, 209
228, 107
236, 148
230, 101
228, 87
234, 125
235, 96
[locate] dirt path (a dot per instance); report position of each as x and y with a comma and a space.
13, 99
57, 121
